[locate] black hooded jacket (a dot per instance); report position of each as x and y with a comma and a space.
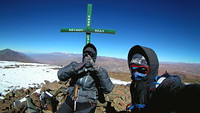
139, 89
90, 82
169, 97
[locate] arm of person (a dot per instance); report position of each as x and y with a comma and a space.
188, 98
104, 80
67, 72
72, 69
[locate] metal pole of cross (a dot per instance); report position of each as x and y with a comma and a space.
88, 30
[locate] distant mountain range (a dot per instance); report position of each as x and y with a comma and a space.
110, 63
185, 70
58, 58
10, 55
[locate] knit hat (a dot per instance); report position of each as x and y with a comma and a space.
138, 59
92, 49
89, 49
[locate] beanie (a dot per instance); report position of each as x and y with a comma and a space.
138, 59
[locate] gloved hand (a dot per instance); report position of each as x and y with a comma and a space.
87, 65
81, 65
90, 65
96, 68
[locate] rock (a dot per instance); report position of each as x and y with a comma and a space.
19, 106
116, 101
36, 100
27, 91
20, 92
51, 86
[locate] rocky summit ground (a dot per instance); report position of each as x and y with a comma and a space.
14, 101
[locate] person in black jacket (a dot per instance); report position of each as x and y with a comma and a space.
158, 94
92, 82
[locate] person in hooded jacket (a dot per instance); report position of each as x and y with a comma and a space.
158, 94
92, 82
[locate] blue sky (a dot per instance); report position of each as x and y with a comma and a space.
170, 27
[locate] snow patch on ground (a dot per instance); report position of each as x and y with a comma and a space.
15, 75
115, 81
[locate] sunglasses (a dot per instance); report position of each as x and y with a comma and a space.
141, 69
88, 53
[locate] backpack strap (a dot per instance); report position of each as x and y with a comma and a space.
159, 80
135, 106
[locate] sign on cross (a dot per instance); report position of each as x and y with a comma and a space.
88, 30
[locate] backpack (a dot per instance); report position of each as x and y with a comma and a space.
160, 79
157, 81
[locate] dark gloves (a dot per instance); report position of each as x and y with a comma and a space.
85, 66
80, 65
94, 66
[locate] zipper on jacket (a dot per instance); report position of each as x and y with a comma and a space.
85, 80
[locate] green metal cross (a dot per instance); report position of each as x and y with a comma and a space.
88, 30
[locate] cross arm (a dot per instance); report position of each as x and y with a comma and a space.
107, 31
72, 30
